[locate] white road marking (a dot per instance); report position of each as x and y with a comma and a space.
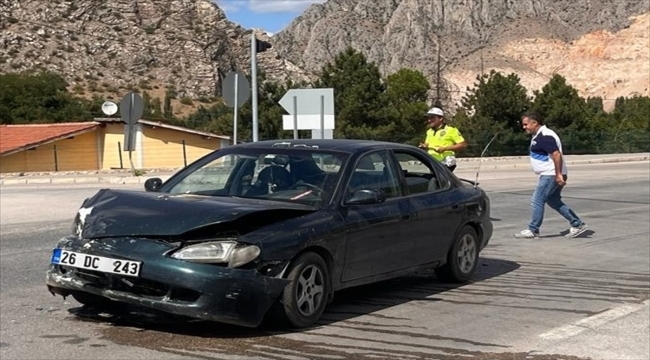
592, 322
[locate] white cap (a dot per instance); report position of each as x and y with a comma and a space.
435, 111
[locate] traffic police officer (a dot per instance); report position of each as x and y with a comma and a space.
442, 140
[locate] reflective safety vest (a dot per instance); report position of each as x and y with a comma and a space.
445, 136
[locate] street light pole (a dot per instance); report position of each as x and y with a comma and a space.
254, 84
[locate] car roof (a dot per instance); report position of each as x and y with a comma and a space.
345, 145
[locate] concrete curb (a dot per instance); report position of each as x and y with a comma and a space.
526, 165
486, 164
80, 180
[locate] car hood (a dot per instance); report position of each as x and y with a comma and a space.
112, 213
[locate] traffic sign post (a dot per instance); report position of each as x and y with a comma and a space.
322, 117
235, 91
131, 109
234, 111
295, 117
309, 109
254, 79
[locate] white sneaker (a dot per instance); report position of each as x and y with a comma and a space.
526, 234
575, 231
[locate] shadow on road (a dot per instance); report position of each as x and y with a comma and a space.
364, 299
209, 340
422, 286
585, 234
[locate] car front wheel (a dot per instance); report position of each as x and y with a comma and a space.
462, 259
305, 298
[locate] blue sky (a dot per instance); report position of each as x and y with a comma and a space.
270, 15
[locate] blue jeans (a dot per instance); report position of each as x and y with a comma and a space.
549, 192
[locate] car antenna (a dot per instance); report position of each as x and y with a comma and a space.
481, 159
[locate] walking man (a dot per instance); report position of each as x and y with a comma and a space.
442, 141
547, 162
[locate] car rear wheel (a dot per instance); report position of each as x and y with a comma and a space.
462, 259
306, 296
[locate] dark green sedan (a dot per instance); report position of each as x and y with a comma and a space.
272, 227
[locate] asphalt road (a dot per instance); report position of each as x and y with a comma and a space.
554, 298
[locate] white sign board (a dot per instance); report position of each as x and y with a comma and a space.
316, 134
309, 109
307, 122
309, 101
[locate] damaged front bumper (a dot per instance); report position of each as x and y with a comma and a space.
202, 291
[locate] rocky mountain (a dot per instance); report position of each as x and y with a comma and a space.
600, 46
108, 47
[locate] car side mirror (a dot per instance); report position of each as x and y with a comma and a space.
366, 196
152, 184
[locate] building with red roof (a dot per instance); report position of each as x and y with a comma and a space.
99, 145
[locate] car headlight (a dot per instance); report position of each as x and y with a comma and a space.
217, 252
77, 227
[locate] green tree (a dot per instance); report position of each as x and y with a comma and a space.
633, 113
571, 116
151, 107
154, 108
95, 106
560, 104
42, 97
629, 125
270, 112
366, 107
498, 99
493, 106
146, 105
167, 105
595, 105
405, 102
357, 88
219, 117
596, 119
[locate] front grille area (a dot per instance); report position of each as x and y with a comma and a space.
132, 285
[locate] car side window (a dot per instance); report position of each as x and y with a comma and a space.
375, 171
419, 175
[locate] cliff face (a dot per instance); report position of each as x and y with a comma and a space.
600, 63
533, 38
109, 47
114, 46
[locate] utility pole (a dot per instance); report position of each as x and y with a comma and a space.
254, 84
256, 46
438, 74
481, 53
481, 61
439, 66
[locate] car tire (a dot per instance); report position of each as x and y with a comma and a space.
305, 298
462, 259
93, 300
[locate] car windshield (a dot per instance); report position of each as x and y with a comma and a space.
305, 175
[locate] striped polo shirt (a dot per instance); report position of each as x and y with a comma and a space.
544, 143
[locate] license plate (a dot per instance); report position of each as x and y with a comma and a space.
96, 263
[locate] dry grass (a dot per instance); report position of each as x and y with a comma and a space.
156, 90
